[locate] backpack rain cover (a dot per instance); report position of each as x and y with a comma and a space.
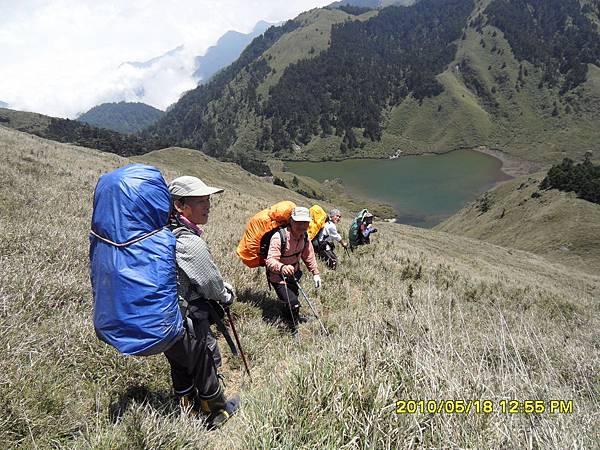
135, 285
260, 224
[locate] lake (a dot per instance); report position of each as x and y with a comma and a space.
424, 190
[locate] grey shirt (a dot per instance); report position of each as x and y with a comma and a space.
197, 273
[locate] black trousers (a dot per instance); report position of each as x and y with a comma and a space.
193, 363
326, 251
288, 294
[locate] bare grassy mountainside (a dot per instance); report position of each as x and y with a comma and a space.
418, 314
517, 214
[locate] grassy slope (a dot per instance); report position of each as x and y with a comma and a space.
417, 315
556, 225
308, 40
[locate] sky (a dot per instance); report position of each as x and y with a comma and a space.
62, 57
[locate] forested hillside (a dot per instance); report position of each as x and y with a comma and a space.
123, 117
74, 132
518, 76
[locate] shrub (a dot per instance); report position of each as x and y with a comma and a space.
582, 178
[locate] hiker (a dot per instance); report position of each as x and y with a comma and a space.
202, 293
361, 229
328, 237
283, 267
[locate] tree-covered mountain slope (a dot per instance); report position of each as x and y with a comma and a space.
522, 77
518, 214
124, 117
417, 315
75, 132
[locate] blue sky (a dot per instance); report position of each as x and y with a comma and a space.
62, 57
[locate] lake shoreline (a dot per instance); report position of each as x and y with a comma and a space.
422, 190
511, 165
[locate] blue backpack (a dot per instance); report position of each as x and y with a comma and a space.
132, 262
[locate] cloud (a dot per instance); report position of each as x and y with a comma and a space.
62, 57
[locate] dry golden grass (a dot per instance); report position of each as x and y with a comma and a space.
550, 223
418, 314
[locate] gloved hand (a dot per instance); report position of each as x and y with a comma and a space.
229, 288
317, 280
229, 295
228, 299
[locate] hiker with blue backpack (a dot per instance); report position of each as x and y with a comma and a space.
328, 237
202, 295
156, 287
286, 248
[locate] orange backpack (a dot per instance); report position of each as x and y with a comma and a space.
254, 245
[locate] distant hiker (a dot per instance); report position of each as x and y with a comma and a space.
361, 229
326, 239
283, 267
202, 295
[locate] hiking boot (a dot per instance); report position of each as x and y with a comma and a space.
305, 319
231, 407
220, 408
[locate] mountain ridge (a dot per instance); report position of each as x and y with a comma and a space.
225, 51
483, 95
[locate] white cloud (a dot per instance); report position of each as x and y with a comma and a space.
61, 57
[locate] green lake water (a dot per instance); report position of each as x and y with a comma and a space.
424, 190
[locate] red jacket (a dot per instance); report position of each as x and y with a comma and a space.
294, 250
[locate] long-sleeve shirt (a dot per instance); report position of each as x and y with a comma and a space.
367, 229
330, 233
198, 275
295, 249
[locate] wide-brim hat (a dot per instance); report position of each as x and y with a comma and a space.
300, 214
188, 186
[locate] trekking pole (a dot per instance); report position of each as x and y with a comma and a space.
347, 251
237, 340
314, 311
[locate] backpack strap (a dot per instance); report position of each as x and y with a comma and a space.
283, 237
303, 247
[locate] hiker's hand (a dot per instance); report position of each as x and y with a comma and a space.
226, 303
288, 270
229, 288
317, 279
344, 244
